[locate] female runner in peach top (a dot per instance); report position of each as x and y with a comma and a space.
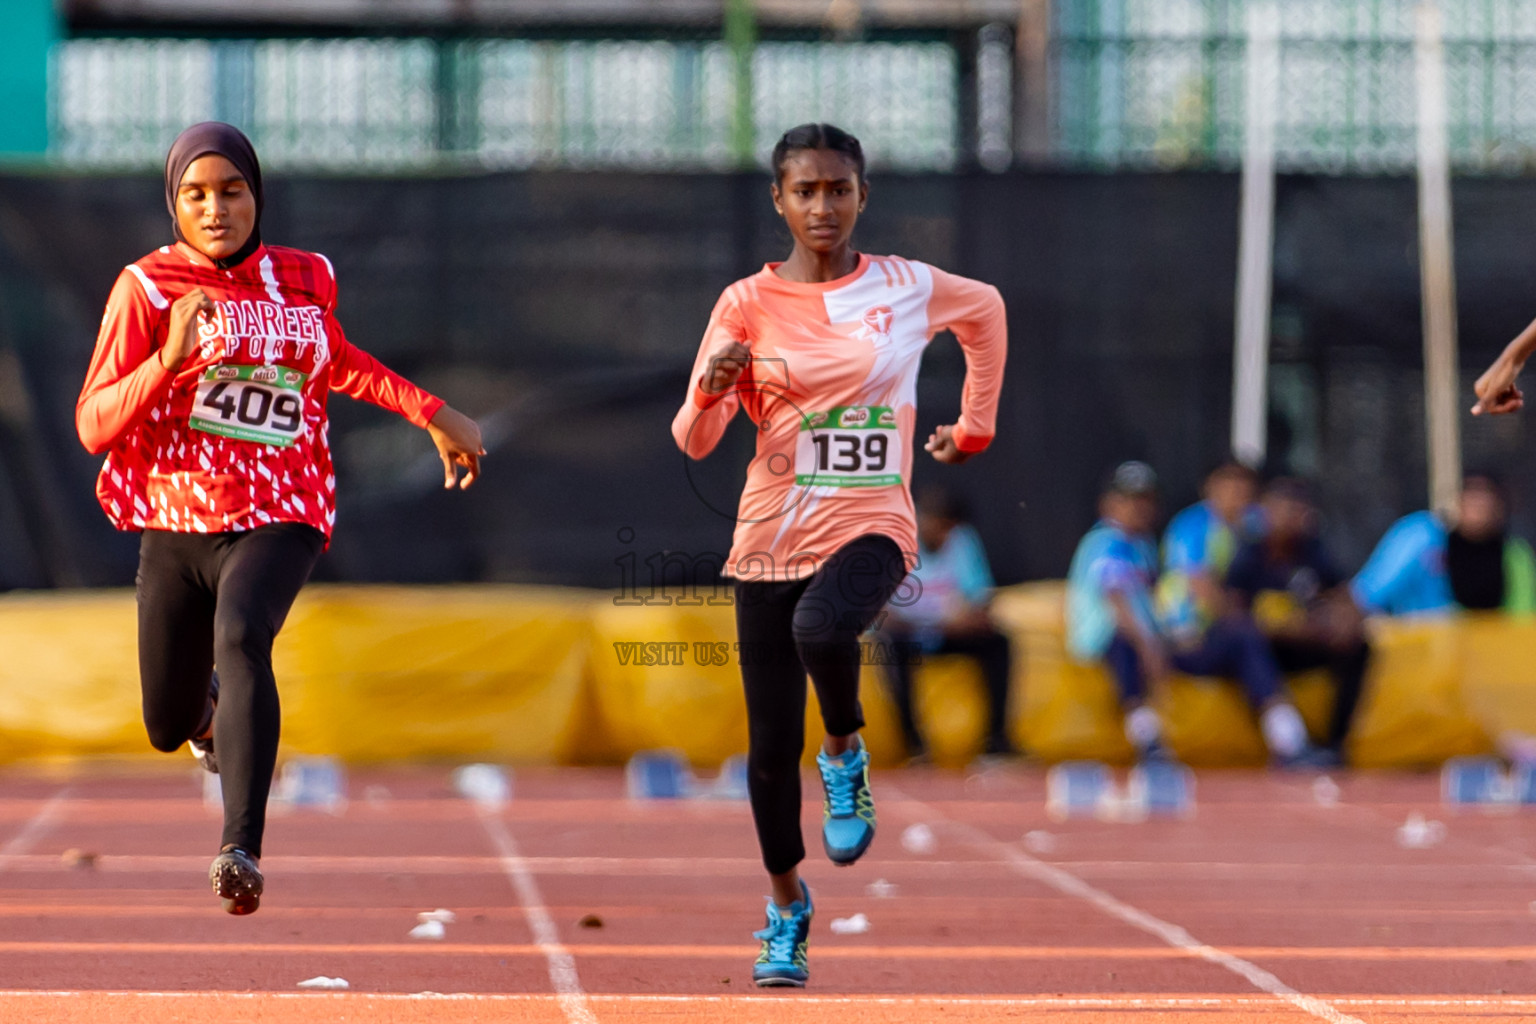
822, 352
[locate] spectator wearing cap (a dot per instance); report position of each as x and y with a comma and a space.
1298, 597
949, 613
1198, 547
1425, 566
1110, 618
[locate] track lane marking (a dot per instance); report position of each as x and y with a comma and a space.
695, 951
1107, 1001
1070, 885
36, 827
562, 966
1520, 874
167, 904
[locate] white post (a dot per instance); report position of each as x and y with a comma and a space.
1437, 269
1250, 358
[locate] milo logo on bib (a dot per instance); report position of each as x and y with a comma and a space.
850, 446
858, 416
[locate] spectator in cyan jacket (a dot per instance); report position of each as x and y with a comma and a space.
1424, 565
1199, 545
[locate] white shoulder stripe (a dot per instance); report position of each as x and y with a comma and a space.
270, 278
330, 306
156, 299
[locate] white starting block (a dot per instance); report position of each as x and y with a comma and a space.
731, 783
316, 782
1482, 780
488, 786
659, 775
1523, 781
1161, 789
213, 791
1087, 789
1075, 789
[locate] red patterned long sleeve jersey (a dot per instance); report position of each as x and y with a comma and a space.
235, 438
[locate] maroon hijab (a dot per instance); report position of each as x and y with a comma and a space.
215, 137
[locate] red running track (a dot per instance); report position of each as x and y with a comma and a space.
1267, 907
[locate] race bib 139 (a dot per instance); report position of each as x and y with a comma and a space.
850, 446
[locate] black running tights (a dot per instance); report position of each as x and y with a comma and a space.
218, 600
785, 630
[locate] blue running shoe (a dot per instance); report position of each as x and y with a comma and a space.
782, 963
847, 809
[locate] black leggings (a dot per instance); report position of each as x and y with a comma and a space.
785, 630
211, 600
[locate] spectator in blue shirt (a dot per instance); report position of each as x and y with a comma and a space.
1296, 593
948, 613
1198, 547
1110, 617
1424, 566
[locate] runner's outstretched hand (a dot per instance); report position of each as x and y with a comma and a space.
1496, 389
458, 443
942, 444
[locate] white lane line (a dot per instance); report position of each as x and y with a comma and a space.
34, 829
562, 966
1105, 1002
290, 864
1070, 885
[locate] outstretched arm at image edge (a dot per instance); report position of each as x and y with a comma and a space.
1497, 390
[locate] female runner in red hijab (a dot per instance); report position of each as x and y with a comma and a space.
207, 394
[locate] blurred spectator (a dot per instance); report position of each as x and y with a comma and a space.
1199, 545
1297, 596
1110, 617
950, 615
1422, 566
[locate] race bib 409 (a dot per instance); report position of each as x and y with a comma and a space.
250, 403
850, 446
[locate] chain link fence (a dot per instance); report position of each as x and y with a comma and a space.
1160, 83
399, 104
1133, 84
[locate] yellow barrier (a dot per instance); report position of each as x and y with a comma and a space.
397, 673
69, 678
539, 674
1412, 713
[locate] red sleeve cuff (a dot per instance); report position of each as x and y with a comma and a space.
427, 409
968, 442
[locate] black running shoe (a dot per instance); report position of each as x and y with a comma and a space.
202, 746
236, 880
